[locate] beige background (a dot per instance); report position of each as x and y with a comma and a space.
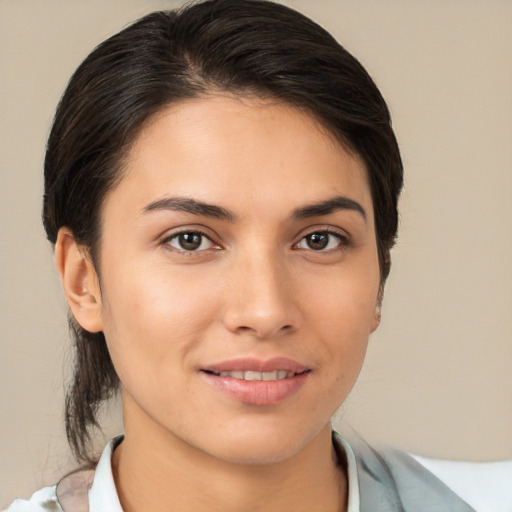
438, 377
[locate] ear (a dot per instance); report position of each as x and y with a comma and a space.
376, 319
378, 310
79, 281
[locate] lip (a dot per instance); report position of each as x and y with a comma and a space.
257, 365
257, 392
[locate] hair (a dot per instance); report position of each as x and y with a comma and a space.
242, 47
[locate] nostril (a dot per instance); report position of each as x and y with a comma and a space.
244, 329
263, 321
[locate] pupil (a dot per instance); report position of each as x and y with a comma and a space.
318, 241
190, 241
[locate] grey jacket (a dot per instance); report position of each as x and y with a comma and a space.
391, 480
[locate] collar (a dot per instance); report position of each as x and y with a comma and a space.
103, 494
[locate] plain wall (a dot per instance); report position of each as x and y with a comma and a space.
438, 375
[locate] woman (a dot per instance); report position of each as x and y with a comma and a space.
221, 187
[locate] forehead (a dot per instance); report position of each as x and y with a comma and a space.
221, 149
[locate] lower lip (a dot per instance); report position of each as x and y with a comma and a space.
258, 392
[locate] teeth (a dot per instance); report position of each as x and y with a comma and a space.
235, 375
251, 375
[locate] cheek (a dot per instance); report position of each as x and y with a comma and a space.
344, 313
143, 291
347, 302
152, 321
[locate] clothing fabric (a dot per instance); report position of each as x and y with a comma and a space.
384, 480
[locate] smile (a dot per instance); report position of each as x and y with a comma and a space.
257, 382
252, 375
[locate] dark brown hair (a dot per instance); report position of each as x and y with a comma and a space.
243, 47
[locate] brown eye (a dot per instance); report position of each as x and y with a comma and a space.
190, 241
320, 241
317, 241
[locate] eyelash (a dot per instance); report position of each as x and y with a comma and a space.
176, 236
343, 241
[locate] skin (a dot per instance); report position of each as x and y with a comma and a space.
255, 287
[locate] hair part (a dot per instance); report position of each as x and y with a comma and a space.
240, 47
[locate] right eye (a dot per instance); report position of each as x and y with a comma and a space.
190, 241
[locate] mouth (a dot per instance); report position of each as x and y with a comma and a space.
252, 375
250, 368
257, 382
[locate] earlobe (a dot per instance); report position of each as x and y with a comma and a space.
376, 319
378, 310
79, 281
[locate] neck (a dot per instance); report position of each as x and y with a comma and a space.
155, 471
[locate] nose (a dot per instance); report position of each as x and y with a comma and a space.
260, 298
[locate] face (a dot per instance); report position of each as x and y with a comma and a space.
239, 277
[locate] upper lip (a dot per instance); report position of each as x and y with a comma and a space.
257, 365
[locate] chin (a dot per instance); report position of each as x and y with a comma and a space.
262, 446
255, 454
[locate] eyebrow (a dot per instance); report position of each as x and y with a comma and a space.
329, 206
185, 204
195, 207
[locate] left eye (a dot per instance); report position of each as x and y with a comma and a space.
320, 241
190, 241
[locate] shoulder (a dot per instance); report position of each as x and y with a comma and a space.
44, 500
73, 492
391, 480
69, 495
